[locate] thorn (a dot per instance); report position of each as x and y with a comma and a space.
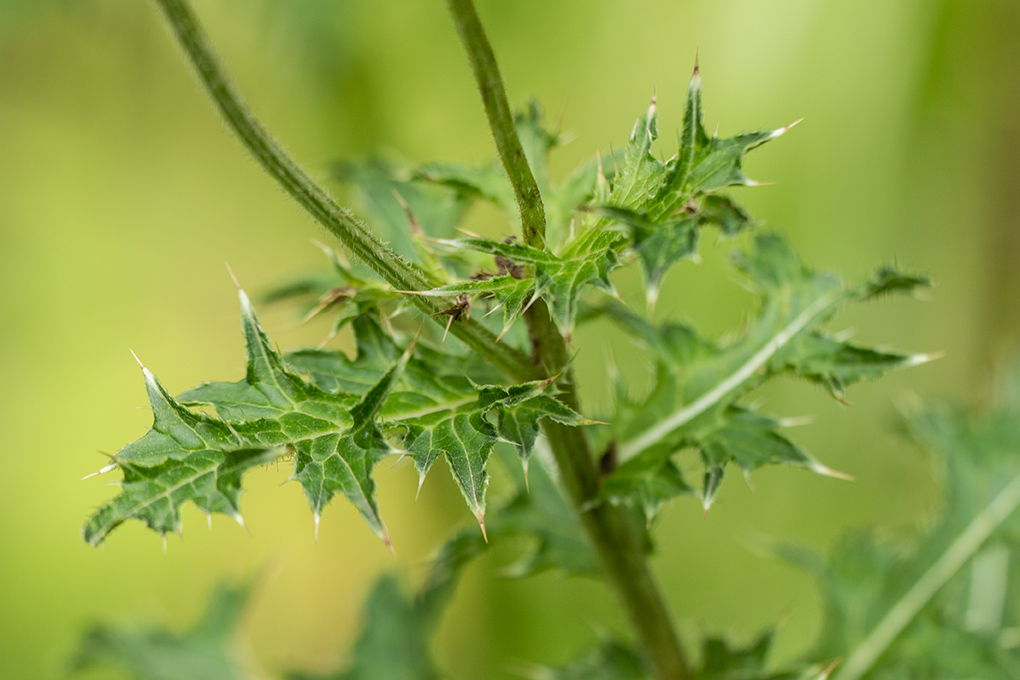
415, 224
208, 520
480, 516
748, 182
140, 364
527, 484
783, 130
317, 517
828, 669
815, 466
918, 359
796, 421
164, 542
421, 481
446, 331
697, 69
233, 278
389, 544
240, 520
651, 297
655, 96
747, 478
101, 471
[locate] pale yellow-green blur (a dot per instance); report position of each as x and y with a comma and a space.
122, 195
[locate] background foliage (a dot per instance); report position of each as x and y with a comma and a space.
121, 195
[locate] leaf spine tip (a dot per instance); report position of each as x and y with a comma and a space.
918, 359
140, 364
817, 467
316, 517
389, 544
779, 132
233, 278
101, 471
480, 516
796, 421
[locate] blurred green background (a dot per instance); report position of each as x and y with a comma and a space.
122, 194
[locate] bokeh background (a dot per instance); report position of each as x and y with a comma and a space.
122, 194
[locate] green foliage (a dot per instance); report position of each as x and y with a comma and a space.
942, 604
697, 400
408, 392
335, 425
204, 652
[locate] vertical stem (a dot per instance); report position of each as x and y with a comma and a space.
609, 528
501, 120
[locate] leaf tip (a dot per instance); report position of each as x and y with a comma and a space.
918, 359
783, 130
825, 470
316, 518
233, 277
480, 516
389, 544
101, 471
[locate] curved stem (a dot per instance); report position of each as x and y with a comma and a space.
352, 233
610, 529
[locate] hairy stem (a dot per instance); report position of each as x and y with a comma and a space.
352, 233
609, 528
501, 120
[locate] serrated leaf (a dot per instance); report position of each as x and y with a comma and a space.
205, 652
512, 295
694, 402
559, 278
663, 205
183, 457
465, 436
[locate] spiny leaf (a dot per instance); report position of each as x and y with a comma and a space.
465, 436
513, 295
663, 205
694, 402
183, 457
559, 279
205, 652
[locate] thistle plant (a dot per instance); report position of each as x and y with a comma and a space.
463, 353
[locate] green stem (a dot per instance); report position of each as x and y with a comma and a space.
501, 120
609, 528
352, 233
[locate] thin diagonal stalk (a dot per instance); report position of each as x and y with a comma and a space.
607, 526
354, 235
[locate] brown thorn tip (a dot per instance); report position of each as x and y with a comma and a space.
389, 544
697, 69
232, 276
480, 516
655, 95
